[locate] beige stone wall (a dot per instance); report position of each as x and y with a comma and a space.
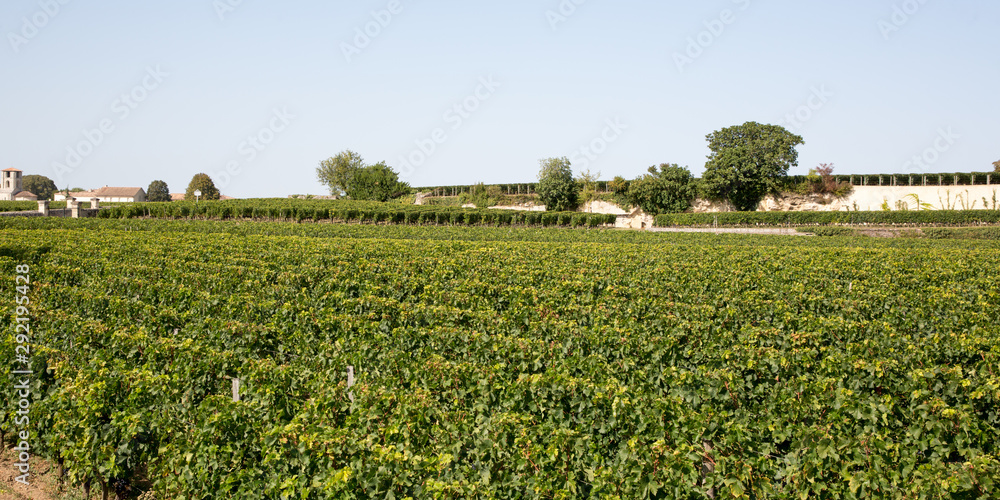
602, 207
526, 207
871, 197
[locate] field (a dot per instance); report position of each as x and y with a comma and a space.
501, 362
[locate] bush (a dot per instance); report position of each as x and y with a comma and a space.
667, 190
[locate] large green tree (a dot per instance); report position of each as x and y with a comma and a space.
336, 172
378, 182
668, 189
556, 187
39, 185
996, 166
203, 183
158, 191
748, 161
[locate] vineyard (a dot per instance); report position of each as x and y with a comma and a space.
884, 218
352, 211
395, 213
503, 362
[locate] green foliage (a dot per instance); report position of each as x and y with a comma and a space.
935, 217
158, 192
917, 204
336, 172
748, 162
444, 201
667, 190
822, 181
27, 206
586, 185
284, 209
996, 166
203, 183
829, 231
39, 185
347, 175
619, 189
570, 366
482, 196
378, 182
556, 188
970, 233
936, 233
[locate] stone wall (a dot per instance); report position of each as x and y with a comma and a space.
940, 197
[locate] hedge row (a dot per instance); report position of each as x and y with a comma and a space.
356, 212
28, 206
939, 217
938, 179
936, 233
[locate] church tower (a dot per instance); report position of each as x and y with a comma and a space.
10, 184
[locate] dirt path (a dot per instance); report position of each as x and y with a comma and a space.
730, 230
43, 484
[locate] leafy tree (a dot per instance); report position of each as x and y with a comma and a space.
996, 166
556, 188
40, 185
748, 161
378, 182
203, 183
158, 191
587, 186
667, 190
336, 172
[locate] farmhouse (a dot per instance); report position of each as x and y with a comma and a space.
108, 195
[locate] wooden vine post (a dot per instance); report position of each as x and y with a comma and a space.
708, 467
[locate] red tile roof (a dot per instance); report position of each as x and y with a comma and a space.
80, 194
118, 192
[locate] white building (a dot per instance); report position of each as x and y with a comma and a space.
107, 195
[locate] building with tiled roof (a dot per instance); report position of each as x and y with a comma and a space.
108, 194
11, 183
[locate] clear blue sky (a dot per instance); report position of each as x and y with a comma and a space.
204, 76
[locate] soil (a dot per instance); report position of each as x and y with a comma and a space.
43, 482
